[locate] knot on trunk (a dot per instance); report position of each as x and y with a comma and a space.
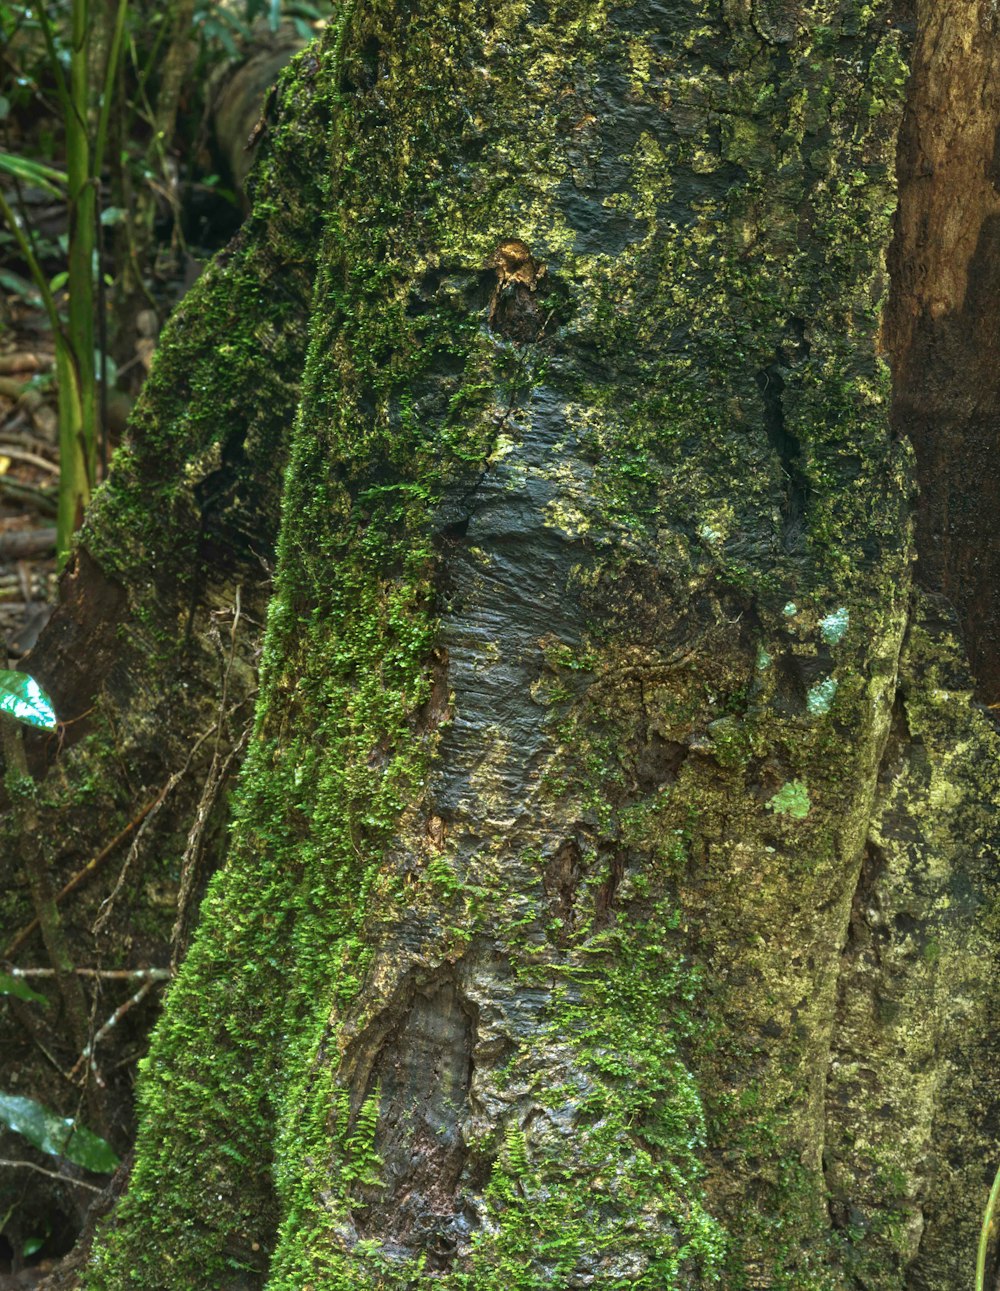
514, 308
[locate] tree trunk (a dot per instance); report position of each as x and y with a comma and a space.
610, 897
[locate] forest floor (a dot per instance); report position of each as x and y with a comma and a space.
29, 474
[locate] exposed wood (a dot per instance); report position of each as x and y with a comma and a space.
943, 332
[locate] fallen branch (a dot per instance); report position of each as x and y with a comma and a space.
11, 388
42, 502
27, 542
24, 361
25, 455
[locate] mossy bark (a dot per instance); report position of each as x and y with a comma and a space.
607, 866
151, 654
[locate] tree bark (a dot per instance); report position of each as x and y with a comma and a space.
610, 897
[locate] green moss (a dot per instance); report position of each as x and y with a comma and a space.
222, 391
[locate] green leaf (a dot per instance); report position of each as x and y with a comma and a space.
110, 368
59, 1136
20, 287
23, 698
33, 172
17, 986
32, 1246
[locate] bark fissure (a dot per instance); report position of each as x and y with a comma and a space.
789, 451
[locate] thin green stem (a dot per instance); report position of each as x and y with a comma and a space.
97, 162
34, 268
62, 90
74, 488
75, 342
986, 1234
114, 56
143, 69
74, 492
83, 215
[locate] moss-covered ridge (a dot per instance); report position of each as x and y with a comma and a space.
577, 674
912, 1094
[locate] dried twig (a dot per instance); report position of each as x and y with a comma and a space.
214, 781
30, 1165
108, 904
37, 867
87, 1057
216, 777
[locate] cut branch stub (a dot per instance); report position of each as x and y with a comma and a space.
514, 307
